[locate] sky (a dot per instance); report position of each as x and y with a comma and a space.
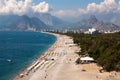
68, 4
64, 9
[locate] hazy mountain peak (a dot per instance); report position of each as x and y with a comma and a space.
49, 19
92, 19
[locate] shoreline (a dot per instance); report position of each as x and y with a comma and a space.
41, 57
58, 63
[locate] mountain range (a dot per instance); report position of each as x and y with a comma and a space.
93, 22
47, 21
15, 22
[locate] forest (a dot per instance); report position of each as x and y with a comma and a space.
104, 48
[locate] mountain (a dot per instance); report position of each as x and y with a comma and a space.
48, 19
54, 22
88, 23
15, 22
93, 22
36, 21
105, 26
110, 17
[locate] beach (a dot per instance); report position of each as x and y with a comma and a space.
58, 63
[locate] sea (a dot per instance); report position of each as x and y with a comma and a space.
18, 49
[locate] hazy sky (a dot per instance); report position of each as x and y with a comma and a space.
64, 9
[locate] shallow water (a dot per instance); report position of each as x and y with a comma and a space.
19, 48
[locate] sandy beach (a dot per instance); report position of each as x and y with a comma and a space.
58, 63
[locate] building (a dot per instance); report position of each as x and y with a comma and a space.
90, 31
86, 59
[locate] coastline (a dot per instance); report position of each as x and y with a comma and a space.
41, 57
58, 63
20, 49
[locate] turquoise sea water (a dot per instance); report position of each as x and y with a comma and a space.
18, 49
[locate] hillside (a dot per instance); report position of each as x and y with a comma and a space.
15, 22
47, 21
93, 22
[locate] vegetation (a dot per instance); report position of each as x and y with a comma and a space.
78, 61
104, 48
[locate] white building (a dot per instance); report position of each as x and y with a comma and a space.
31, 29
86, 59
90, 31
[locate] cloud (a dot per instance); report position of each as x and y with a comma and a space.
104, 7
42, 7
118, 9
22, 7
63, 13
107, 6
